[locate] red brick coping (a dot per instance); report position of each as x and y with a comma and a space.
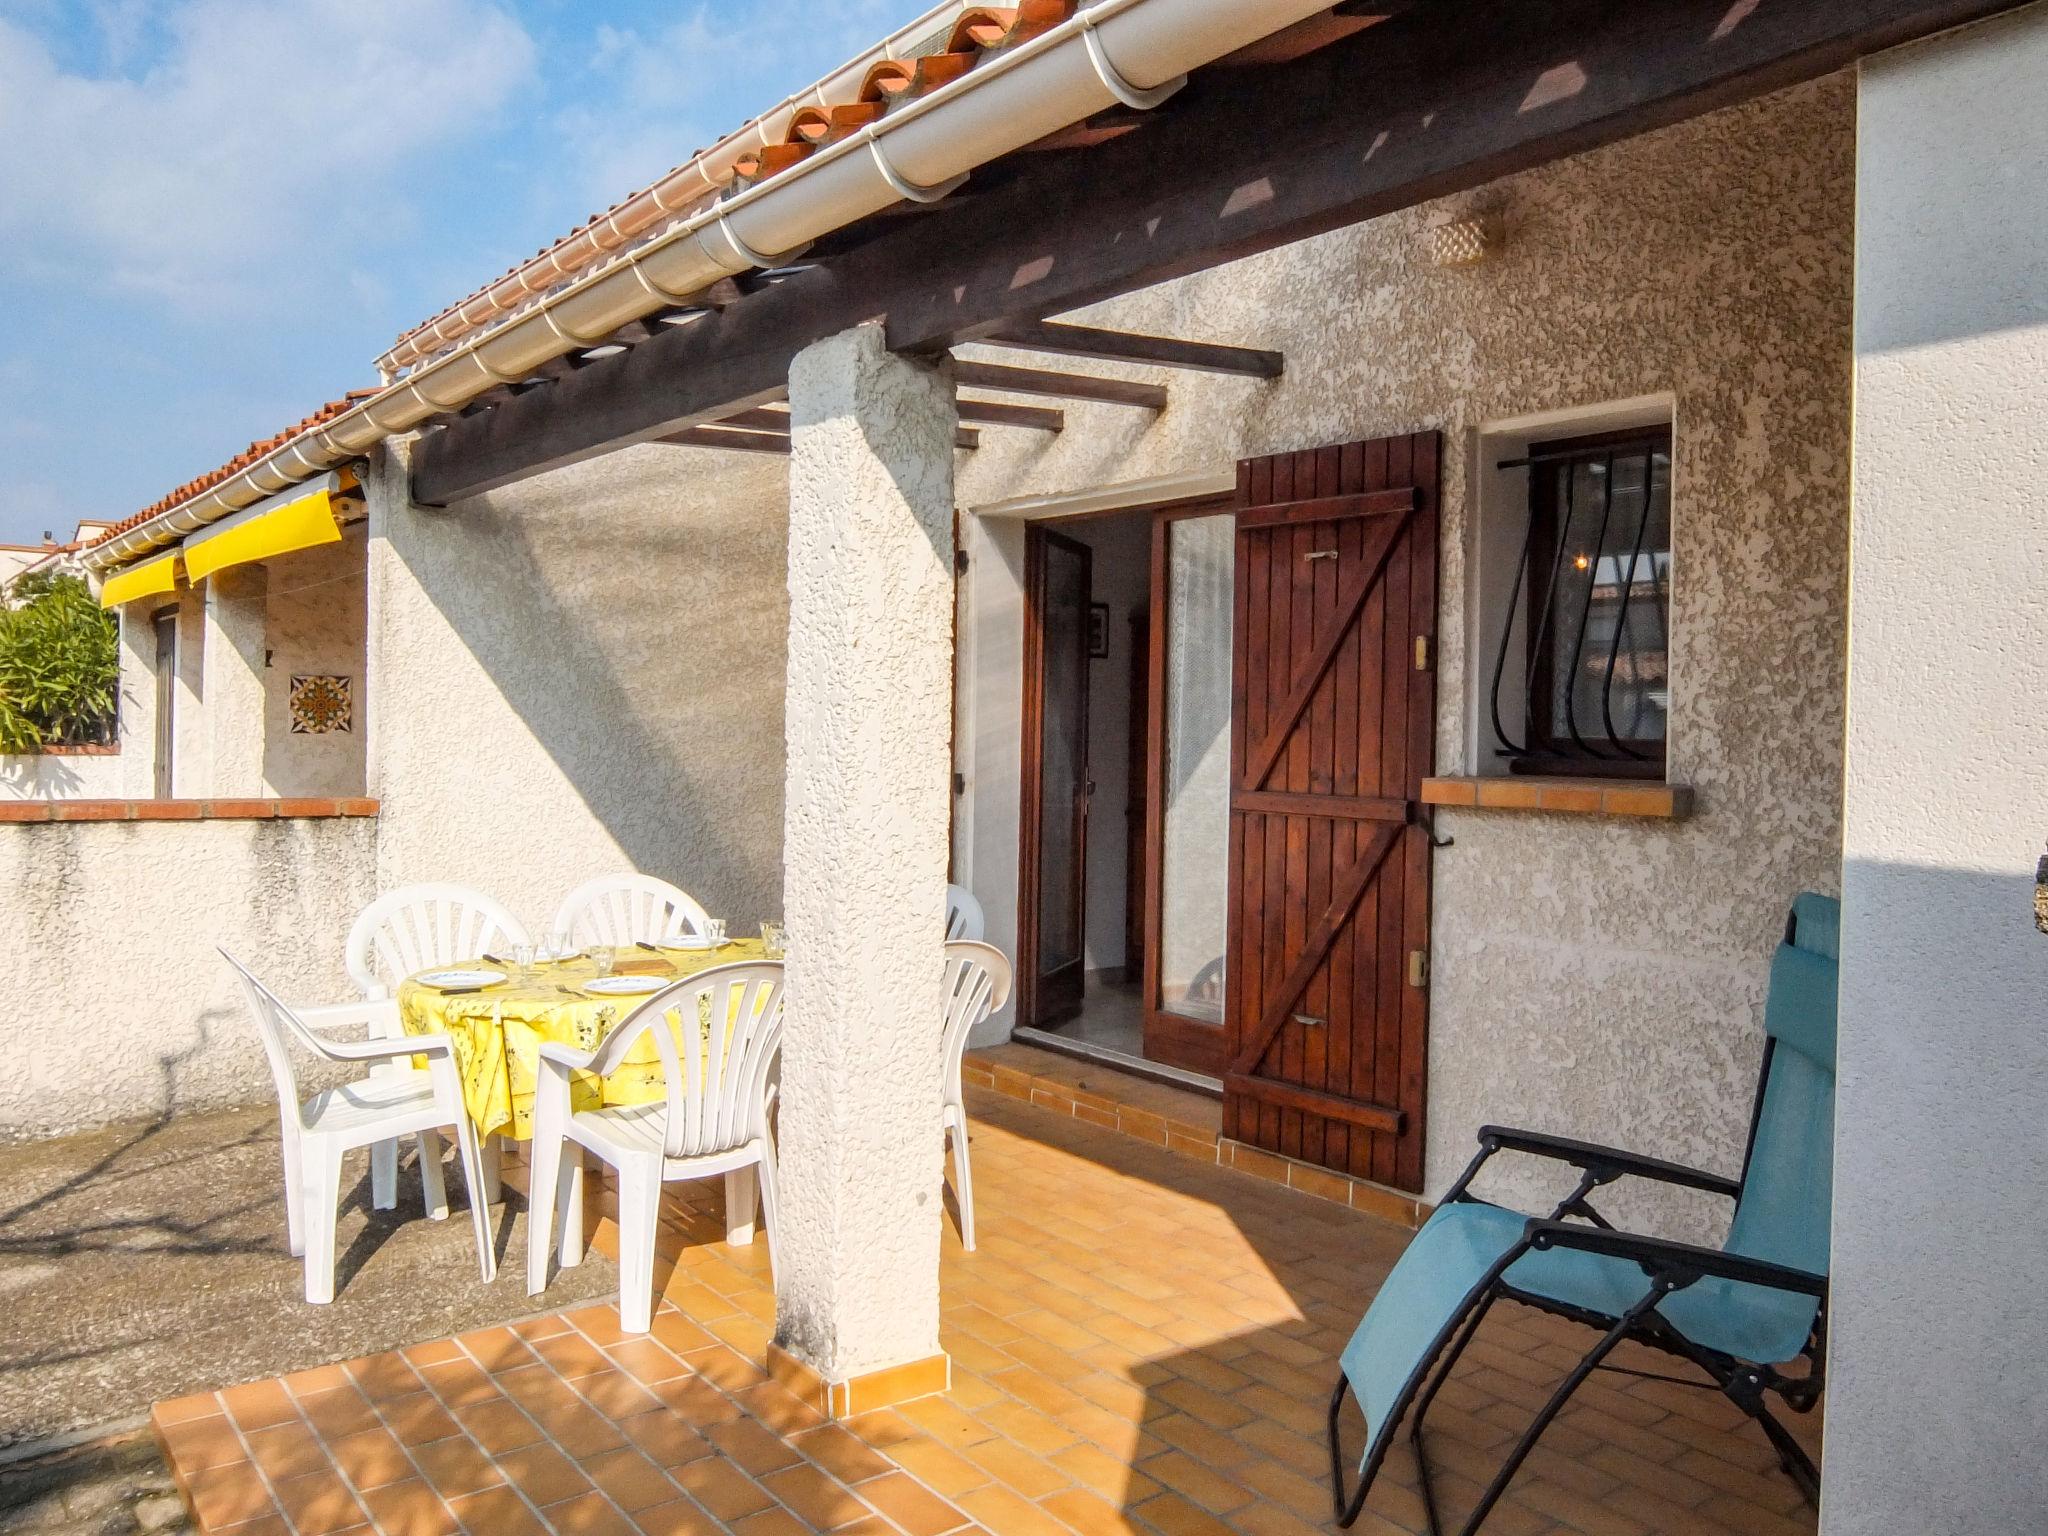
184, 810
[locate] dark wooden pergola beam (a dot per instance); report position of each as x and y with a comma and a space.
1068, 340
1066, 386
1436, 101
1000, 413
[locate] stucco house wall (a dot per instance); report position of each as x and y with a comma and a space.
315, 625
1593, 977
583, 675
120, 1009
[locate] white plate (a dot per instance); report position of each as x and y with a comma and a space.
624, 986
443, 980
687, 941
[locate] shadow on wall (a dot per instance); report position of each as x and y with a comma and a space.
632, 614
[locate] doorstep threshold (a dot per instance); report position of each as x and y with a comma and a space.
1119, 1061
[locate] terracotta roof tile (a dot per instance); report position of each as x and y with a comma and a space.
977, 33
240, 461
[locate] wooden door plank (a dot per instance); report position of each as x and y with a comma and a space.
1327, 508
1422, 618
1396, 663
1280, 721
1280, 999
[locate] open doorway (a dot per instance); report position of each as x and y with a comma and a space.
1122, 875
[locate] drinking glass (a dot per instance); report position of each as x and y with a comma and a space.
601, 957
714, 930
559, 943
523, 958
771, 940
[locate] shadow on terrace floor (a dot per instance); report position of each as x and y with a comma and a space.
144, 1260
1142, 1343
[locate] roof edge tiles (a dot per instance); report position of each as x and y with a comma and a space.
975, 33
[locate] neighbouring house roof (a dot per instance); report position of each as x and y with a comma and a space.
240, 461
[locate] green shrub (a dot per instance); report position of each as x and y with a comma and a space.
59, 665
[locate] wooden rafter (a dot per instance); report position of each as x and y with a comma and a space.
1063, 339
1000, 413
1068, 386
749, 441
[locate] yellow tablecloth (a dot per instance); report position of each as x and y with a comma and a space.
498, 1033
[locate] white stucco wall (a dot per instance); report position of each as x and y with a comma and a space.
118, 1007
314, 619
583, 675
1937, 1418
1595, 977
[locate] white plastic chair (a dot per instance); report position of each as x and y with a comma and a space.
713, 1119
977, 984
370, 1110
627, 909
963, 914
397, 935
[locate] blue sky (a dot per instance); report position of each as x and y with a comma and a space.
214, 214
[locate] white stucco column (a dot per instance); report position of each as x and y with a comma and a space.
231, 693
1937, 1410
868, 726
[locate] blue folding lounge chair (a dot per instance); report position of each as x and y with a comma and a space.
1737, 1312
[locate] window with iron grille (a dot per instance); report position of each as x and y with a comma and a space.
1589, 615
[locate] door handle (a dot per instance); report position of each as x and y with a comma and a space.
1320, 554
1309, 1020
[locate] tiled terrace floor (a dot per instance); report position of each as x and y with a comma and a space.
1143, 1342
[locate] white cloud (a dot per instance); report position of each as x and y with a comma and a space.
246, 161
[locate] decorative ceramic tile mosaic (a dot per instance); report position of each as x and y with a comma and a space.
321, 704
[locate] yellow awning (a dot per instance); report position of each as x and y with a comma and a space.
262, 534
145, 580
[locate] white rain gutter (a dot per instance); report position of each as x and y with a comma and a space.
1133, 52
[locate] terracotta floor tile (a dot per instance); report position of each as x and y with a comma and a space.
1090, 1515
497, 1512
571, 1355
665, 1437
615, 1394
754, 1447
589, 1514
409, 1508
1175, 1516
677, 1518
647, 1360
542, 1473
498, 1425
371, 1458
341, 1411
223, 1496
382, 1376
259, 1405
632, 1481
1004, 1513
697, 1401
1016, 1468
722, 1488
198, 1405
815, 1496
286, 1451
319, 1504
771, 1522
418, 1418
911, 1505
580, 1430
497, 1349
197, 1444
842, 1453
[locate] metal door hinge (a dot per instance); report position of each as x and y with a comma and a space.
1422, 653
959, 562
1418, 967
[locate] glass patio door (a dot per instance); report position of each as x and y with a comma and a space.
1053, 938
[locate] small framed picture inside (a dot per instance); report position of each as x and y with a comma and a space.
1098, 631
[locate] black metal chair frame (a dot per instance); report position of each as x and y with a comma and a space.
1668, 1266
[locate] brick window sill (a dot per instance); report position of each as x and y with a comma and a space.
1572, 797
82, 749
185, 810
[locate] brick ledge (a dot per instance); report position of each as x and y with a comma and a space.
1198, 1142
304, 809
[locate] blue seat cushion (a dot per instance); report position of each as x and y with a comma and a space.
1458, 1246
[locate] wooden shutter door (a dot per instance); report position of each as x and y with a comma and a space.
1333, 729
